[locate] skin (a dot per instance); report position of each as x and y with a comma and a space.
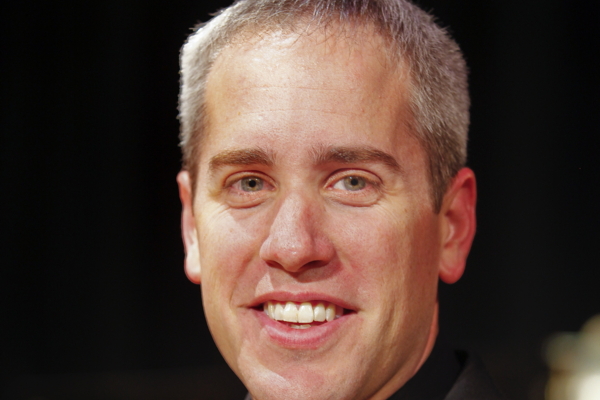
280, 109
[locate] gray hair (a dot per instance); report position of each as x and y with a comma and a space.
439, 99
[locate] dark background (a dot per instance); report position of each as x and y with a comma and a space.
94, 301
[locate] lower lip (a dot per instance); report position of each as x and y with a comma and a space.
291, 338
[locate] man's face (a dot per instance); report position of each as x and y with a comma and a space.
311, 190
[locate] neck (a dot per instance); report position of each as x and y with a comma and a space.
431, 338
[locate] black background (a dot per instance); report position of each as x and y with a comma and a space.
94, 301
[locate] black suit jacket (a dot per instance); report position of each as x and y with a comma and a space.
449, 375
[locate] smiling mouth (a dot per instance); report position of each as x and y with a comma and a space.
303, 315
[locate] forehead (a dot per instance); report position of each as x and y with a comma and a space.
326, 88
309, 54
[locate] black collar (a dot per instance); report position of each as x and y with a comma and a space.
434, 379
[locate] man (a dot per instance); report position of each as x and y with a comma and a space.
324, 194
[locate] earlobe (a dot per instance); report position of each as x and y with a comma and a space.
458, 225
188, 228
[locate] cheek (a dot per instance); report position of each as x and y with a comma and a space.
228, 245
228, 260
393, 255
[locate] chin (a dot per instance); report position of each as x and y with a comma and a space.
298, 382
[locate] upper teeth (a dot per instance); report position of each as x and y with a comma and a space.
304, 313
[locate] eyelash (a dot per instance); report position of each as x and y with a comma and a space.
341, 175
238, 178
366, 195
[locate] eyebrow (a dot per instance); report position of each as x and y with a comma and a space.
249, 156
343, 155
351, 155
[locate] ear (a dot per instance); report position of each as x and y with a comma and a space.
458, 225
188, 228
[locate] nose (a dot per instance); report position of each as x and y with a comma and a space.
296, 239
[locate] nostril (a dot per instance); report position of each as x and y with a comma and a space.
315, 264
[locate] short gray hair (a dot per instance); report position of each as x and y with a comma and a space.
439, 98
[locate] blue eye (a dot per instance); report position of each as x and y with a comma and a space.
251, 184
352, 183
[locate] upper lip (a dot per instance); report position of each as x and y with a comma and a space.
300, 297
